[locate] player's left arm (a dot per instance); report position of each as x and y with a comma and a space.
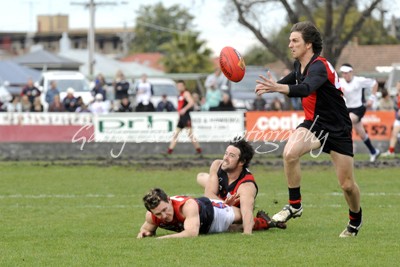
247, 193
191, 225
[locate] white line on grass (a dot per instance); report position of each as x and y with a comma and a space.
372, 194
64, 196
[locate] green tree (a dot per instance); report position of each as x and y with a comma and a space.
186, 54
338, 21
258, 56
155, 25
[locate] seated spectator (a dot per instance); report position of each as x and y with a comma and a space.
82, 108
125, 105
98, 89
70, 102
165, 105
226, 103
26, 105
98, 106
56, 106
37, 105
15, 104
386, 102
276, 105
30, 90
259, 103
145, 108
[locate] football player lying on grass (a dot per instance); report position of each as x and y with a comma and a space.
193, 216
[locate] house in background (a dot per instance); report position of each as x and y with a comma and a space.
152, 60
50, 31
107, 65
45, 61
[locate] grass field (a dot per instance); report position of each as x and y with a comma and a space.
85, 215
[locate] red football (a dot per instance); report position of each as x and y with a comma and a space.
232, 64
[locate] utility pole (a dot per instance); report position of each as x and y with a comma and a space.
126, 38
92, 30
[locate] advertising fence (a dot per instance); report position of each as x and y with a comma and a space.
159, 126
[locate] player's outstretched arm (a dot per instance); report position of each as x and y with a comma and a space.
148, 228
247, 193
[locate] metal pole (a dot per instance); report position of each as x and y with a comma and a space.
91, 38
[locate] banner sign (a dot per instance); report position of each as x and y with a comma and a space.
160, 126
277, 126
45, 118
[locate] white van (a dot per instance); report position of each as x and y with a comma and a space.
64, 80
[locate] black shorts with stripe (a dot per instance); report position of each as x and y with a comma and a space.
340, 142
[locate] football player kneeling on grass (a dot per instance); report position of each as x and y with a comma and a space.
193, 216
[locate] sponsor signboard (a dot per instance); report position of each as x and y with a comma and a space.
45, 127
159, 127
277, 126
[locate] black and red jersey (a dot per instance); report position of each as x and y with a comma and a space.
224, 188
322, 96
181, 101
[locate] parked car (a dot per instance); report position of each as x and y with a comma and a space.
65, 80
161, 86
243, 94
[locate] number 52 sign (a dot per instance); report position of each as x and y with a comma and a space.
378, 125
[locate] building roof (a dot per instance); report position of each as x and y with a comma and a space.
17, 74
370, 59
151, 60
42, 59
108, 66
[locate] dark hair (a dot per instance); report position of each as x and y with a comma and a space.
153, 198
246, 150
384, 92
181, 81
310, 34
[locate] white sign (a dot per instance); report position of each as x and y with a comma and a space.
160, 126
45, 118
217, 126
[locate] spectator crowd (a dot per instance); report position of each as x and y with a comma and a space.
115, 97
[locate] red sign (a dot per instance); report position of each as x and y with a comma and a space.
45, 134
277, 126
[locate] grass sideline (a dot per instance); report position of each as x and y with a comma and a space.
57, 215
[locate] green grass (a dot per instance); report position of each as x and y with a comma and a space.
85, 215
